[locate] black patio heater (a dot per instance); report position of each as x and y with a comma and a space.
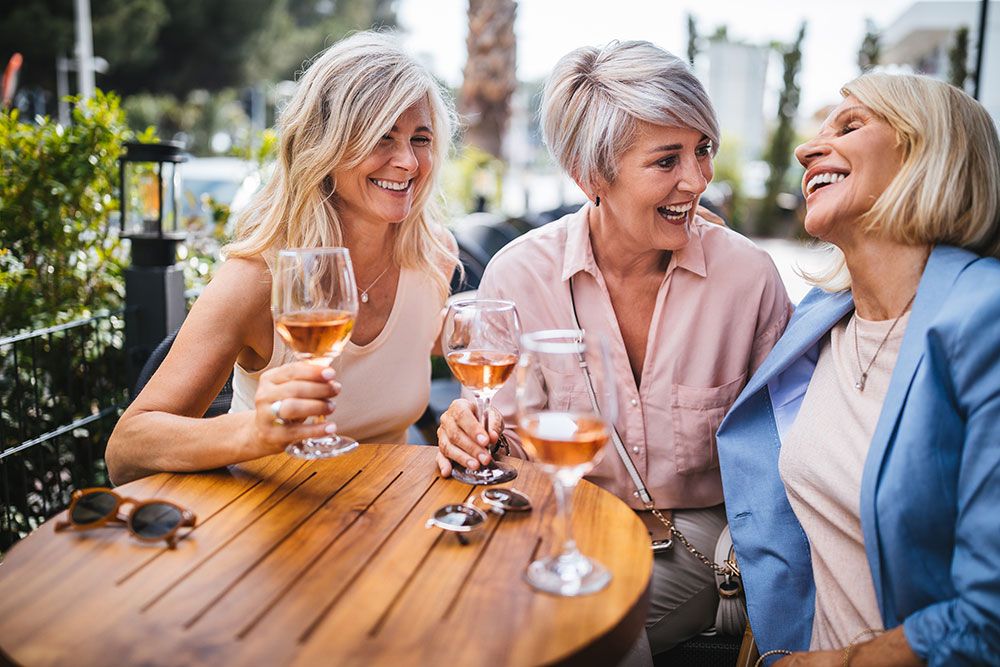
149, 192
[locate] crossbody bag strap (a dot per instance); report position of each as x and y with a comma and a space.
726, 570
633, 472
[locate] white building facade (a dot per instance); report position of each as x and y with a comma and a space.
922, 36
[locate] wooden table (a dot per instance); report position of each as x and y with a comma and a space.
324, 562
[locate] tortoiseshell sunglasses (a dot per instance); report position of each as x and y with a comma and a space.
148, 520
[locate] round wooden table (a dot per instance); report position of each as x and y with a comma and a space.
324, 562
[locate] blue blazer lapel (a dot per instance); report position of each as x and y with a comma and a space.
943, 267
817, 313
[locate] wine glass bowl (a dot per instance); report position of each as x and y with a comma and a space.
566, 439
314, 302
480, 342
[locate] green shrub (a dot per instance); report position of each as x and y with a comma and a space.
59, 257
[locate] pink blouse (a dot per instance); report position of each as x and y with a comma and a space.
719, 310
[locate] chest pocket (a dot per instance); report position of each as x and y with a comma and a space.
696, 413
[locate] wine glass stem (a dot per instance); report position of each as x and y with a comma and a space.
564, 507
483, 407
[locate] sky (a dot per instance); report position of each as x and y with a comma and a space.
548, 29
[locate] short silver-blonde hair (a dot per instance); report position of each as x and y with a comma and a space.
596, 97
349, 97
947, 190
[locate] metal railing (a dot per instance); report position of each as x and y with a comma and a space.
62, 389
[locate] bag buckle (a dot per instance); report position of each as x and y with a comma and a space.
661, 545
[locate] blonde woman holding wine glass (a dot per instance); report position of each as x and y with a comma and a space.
361, 143
689, 308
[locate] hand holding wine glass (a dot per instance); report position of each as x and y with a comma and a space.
314, 302
565, 442
480, 341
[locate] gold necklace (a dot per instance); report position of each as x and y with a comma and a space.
863, 378
364, 292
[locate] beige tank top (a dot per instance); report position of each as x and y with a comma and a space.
386, 383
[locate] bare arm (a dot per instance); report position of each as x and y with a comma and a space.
162, 430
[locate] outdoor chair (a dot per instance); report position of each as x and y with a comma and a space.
220, 405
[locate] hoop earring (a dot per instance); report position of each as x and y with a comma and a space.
597, 201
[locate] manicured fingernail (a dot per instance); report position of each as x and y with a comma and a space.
331, 404
470, 463
329, 374
484, 457
331, 428
336, 386
482, 439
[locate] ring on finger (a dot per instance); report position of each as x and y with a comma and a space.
275, 409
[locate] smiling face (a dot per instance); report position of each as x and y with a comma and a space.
849, 164
383, 187
660, 178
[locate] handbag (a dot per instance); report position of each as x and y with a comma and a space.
731, 615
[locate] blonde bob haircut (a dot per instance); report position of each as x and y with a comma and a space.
947, 190
345, 102
596, 97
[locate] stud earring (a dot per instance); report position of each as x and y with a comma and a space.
597, 201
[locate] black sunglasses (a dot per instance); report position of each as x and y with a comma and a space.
149, 520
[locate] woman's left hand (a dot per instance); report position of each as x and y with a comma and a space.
708, 216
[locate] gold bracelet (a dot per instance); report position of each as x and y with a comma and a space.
847, 649
779, 651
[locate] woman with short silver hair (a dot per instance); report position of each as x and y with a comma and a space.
689, 308
361, 144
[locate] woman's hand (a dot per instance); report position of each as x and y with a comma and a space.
297, 391
461, 437
709, 216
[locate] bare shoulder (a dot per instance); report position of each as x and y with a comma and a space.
444, 236
230, 321
234, 309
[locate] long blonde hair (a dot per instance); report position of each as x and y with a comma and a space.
947, 190
347, 99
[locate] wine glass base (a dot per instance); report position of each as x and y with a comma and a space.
494, 473
321, 448
567, 575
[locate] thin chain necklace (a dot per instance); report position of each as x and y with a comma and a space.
364, 292
863, 378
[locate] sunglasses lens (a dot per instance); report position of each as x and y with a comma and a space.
93, 507
155, 520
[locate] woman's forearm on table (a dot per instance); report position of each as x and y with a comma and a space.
149, 442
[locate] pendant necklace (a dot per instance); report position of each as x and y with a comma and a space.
364, 292
863, 378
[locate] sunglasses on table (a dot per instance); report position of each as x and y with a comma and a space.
147, 520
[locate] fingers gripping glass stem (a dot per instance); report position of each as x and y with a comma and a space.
480, 340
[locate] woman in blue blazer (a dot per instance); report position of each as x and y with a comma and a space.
861, 464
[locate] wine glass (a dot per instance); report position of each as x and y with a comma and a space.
480, 342
565, 440
314, 302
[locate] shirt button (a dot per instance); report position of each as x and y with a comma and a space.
634, 402
635, 449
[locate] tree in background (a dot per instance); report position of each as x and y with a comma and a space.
958, 58
779, 153
870, 51
175, 46
692, 50
490, 76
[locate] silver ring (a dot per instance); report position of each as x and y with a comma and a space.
275, 409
